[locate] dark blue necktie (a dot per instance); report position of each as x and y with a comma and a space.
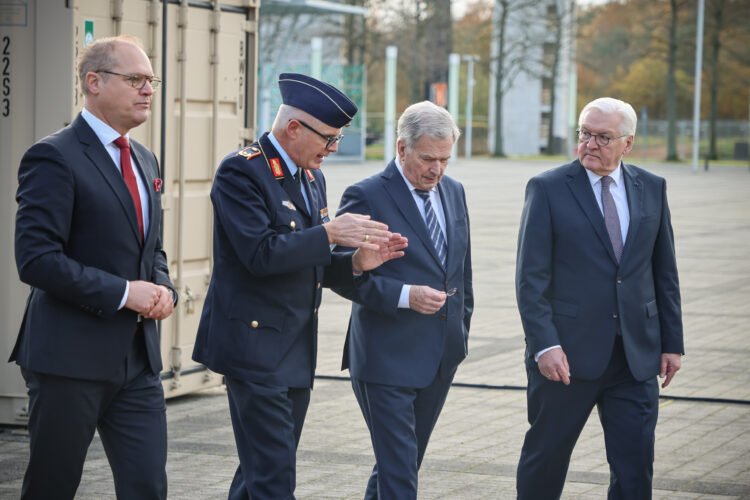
433, 228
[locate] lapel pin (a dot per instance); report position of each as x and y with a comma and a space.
157, 184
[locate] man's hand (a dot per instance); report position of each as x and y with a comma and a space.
164, 307
357, 231
149, 300
142, 296
426, 300
670, 363
365, 259
553, 365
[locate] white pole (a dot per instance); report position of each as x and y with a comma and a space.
454, 66
470, 82
494, 54
389, 126
697, 96
316, 57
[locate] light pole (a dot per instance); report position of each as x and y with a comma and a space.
470, 82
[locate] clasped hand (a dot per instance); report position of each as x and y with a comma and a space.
150, 300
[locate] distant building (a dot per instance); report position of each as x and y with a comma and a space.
527, 102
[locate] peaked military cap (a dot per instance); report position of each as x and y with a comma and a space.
323, 101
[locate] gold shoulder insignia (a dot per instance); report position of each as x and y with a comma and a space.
276, 168
249, 152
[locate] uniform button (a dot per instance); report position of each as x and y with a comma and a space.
447, 284
619, 280
254, 324
315, 311
318, 284
442, 316
293, 224
614, 315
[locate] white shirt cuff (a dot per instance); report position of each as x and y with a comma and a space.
403, 300
536, 357
125, 296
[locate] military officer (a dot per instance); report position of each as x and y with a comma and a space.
272, 254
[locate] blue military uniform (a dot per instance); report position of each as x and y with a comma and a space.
259, 324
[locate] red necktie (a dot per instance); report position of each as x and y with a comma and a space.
129, 176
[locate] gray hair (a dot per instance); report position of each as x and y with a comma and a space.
610, 105
426, 118
100, 55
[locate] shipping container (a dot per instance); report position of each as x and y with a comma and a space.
206, 54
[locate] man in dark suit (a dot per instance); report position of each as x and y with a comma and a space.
272, 255
88, 243
410, 317
597, 289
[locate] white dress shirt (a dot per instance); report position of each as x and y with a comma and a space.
107, 136
437, 207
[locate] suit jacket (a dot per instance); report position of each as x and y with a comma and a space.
271, 258
401, 347
571, 290
77, 242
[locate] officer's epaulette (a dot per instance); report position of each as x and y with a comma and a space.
249, 152
275, 165
310, 175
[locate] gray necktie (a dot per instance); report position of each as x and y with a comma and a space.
436, 234
611, 219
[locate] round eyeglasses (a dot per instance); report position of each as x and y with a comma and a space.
600, 139
137, 81
330, 140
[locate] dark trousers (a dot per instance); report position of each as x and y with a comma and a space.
267, 422
128, 411
401, 420
628, 411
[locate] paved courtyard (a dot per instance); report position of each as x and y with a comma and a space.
703, 435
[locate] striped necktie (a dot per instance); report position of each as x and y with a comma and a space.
433, 228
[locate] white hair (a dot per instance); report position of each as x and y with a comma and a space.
426, 118
610, 105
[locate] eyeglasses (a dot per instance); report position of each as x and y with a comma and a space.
137, 81
330, 140
600, 139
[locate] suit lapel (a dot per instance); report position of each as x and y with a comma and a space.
449, 211
399, 192
634, 190
288, 184
98, 155
580, 186
314, 213
148, 179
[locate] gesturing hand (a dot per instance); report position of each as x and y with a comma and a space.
365, 259
426, 300
357, 231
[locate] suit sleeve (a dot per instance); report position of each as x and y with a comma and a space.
534, 269
468, 285
159, 266
371, 290
46, 198
246, 219
666, 283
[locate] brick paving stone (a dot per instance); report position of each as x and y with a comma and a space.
702, 448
